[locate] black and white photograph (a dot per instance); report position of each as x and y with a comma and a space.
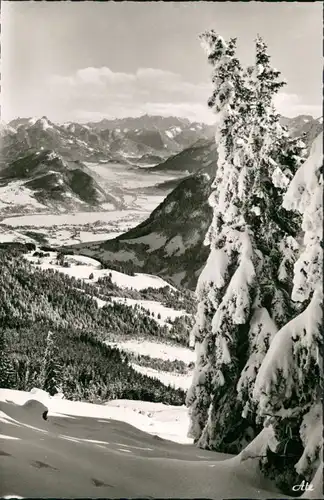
161, 250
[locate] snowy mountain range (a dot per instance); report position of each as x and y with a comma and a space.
127, 139
30, 178
158, 144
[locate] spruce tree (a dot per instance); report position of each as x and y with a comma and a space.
276, 157
289, 384
242, 300
51, 376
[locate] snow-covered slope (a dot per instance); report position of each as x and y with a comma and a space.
81, 266
168, 422
112, 451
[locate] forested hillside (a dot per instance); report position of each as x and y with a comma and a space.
34, 302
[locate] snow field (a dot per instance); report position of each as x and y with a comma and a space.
160, 351
178, 381
230, 477
154, 307
157, 350
82, 266
167, 422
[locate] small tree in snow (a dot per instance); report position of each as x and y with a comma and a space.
290, 381
51, 375
241, 299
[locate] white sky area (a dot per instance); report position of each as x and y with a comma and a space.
92, 60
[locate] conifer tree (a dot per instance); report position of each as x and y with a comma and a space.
276, 157
242, 301
289, 384
51, 376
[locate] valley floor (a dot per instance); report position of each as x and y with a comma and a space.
86, 450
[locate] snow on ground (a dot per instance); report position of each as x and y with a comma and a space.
179, 381
87, 265
157, 350
16, 194
148, 202
167, 422
153, 307
175, 246
70, 237
122, 182
139, 281
78, 218
192, 472
153, 240
7, 236
118, 174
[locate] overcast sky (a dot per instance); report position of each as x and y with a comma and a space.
88, 60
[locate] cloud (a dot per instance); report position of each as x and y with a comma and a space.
95, 93
103, 92
290, 105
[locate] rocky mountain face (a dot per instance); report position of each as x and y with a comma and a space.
170, 242
147, 122
33, 135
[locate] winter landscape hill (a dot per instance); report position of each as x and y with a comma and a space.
120, 308
132, 448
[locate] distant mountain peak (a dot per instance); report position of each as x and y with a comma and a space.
44, 123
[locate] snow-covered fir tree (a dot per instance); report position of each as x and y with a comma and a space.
242, 301
276, 158
289, 384
51, 371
